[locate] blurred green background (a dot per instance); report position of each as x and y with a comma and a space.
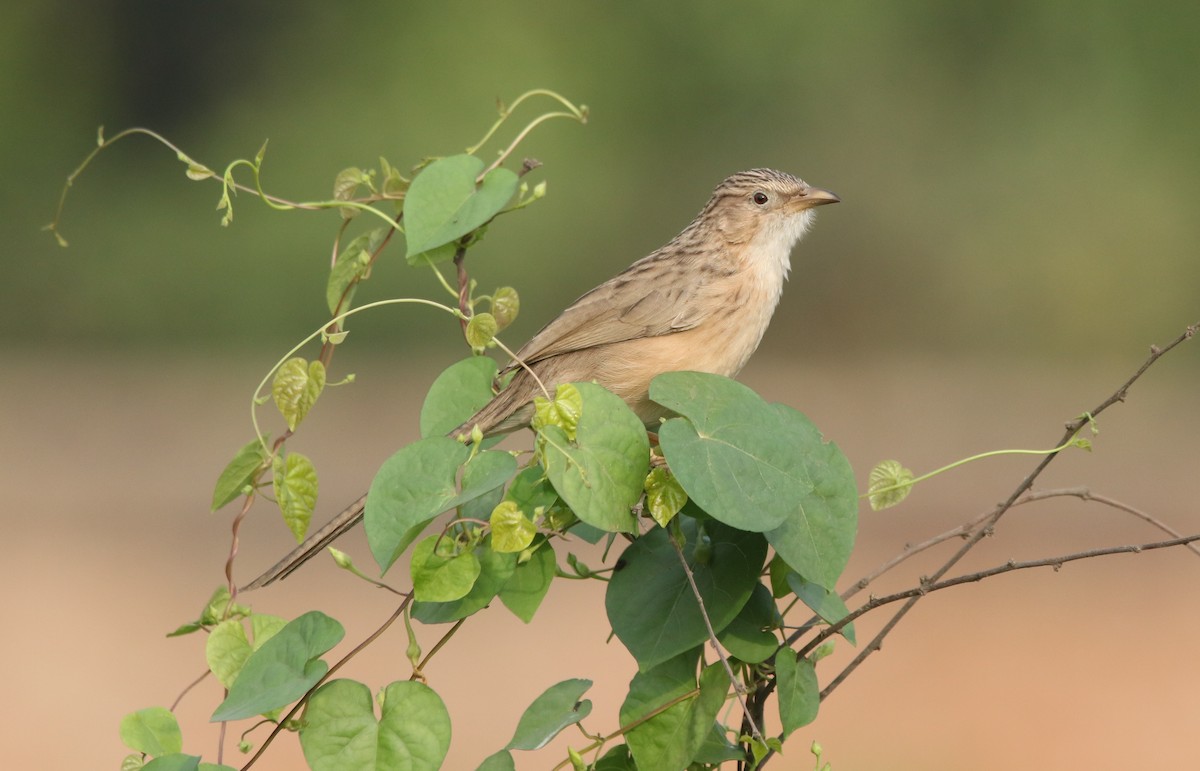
1017, 176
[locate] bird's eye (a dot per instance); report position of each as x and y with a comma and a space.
760, 198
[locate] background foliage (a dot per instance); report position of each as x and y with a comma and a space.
1024, 168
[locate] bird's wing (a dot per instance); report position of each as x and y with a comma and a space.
627, 307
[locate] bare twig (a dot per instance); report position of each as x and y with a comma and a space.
927, 587
1085, 494
989, 523
738, 687
965, 529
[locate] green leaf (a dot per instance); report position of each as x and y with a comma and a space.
716, 748
761, 467
524, 592
650, 603
506, 304
616, 759
295, 483
443, 202
889, 484
531, 490
599, 474
227, 648
826, 604
283, 669
174, 762
238, 473
671, 738
217, 605
481, 330
495, 571
345, 185
441, 573
153, 730
512, 531
296, 387
664, 495
498, 761
418, 483
353, 263
748, 637
459, 392
562, 411
797, 690
559, 706
341, 733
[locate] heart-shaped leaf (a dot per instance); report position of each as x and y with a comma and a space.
444, 203
341, 732
650, 602
418, 483
283, 669
600, 473
760, 467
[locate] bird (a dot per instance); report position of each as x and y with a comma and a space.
701, 302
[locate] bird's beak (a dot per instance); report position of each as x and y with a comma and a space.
815, 196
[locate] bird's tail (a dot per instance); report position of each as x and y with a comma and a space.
332, 530
501, 415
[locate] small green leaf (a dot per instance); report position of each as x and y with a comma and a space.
238, 473
889, 484
418, 483
506, 304
440, 572
283, 669
198, 171
226, 650
559, 706
512, 531
599, 474
227, 647
481, 330
495, 570
345, 185
524, 592
825, 603
218, 608
153, 730
295, 482
562, 411
340, 731
459, 392
664, 496
797, 690
296, 387
353, 263
443, 203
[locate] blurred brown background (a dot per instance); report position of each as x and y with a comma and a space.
1018, 225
